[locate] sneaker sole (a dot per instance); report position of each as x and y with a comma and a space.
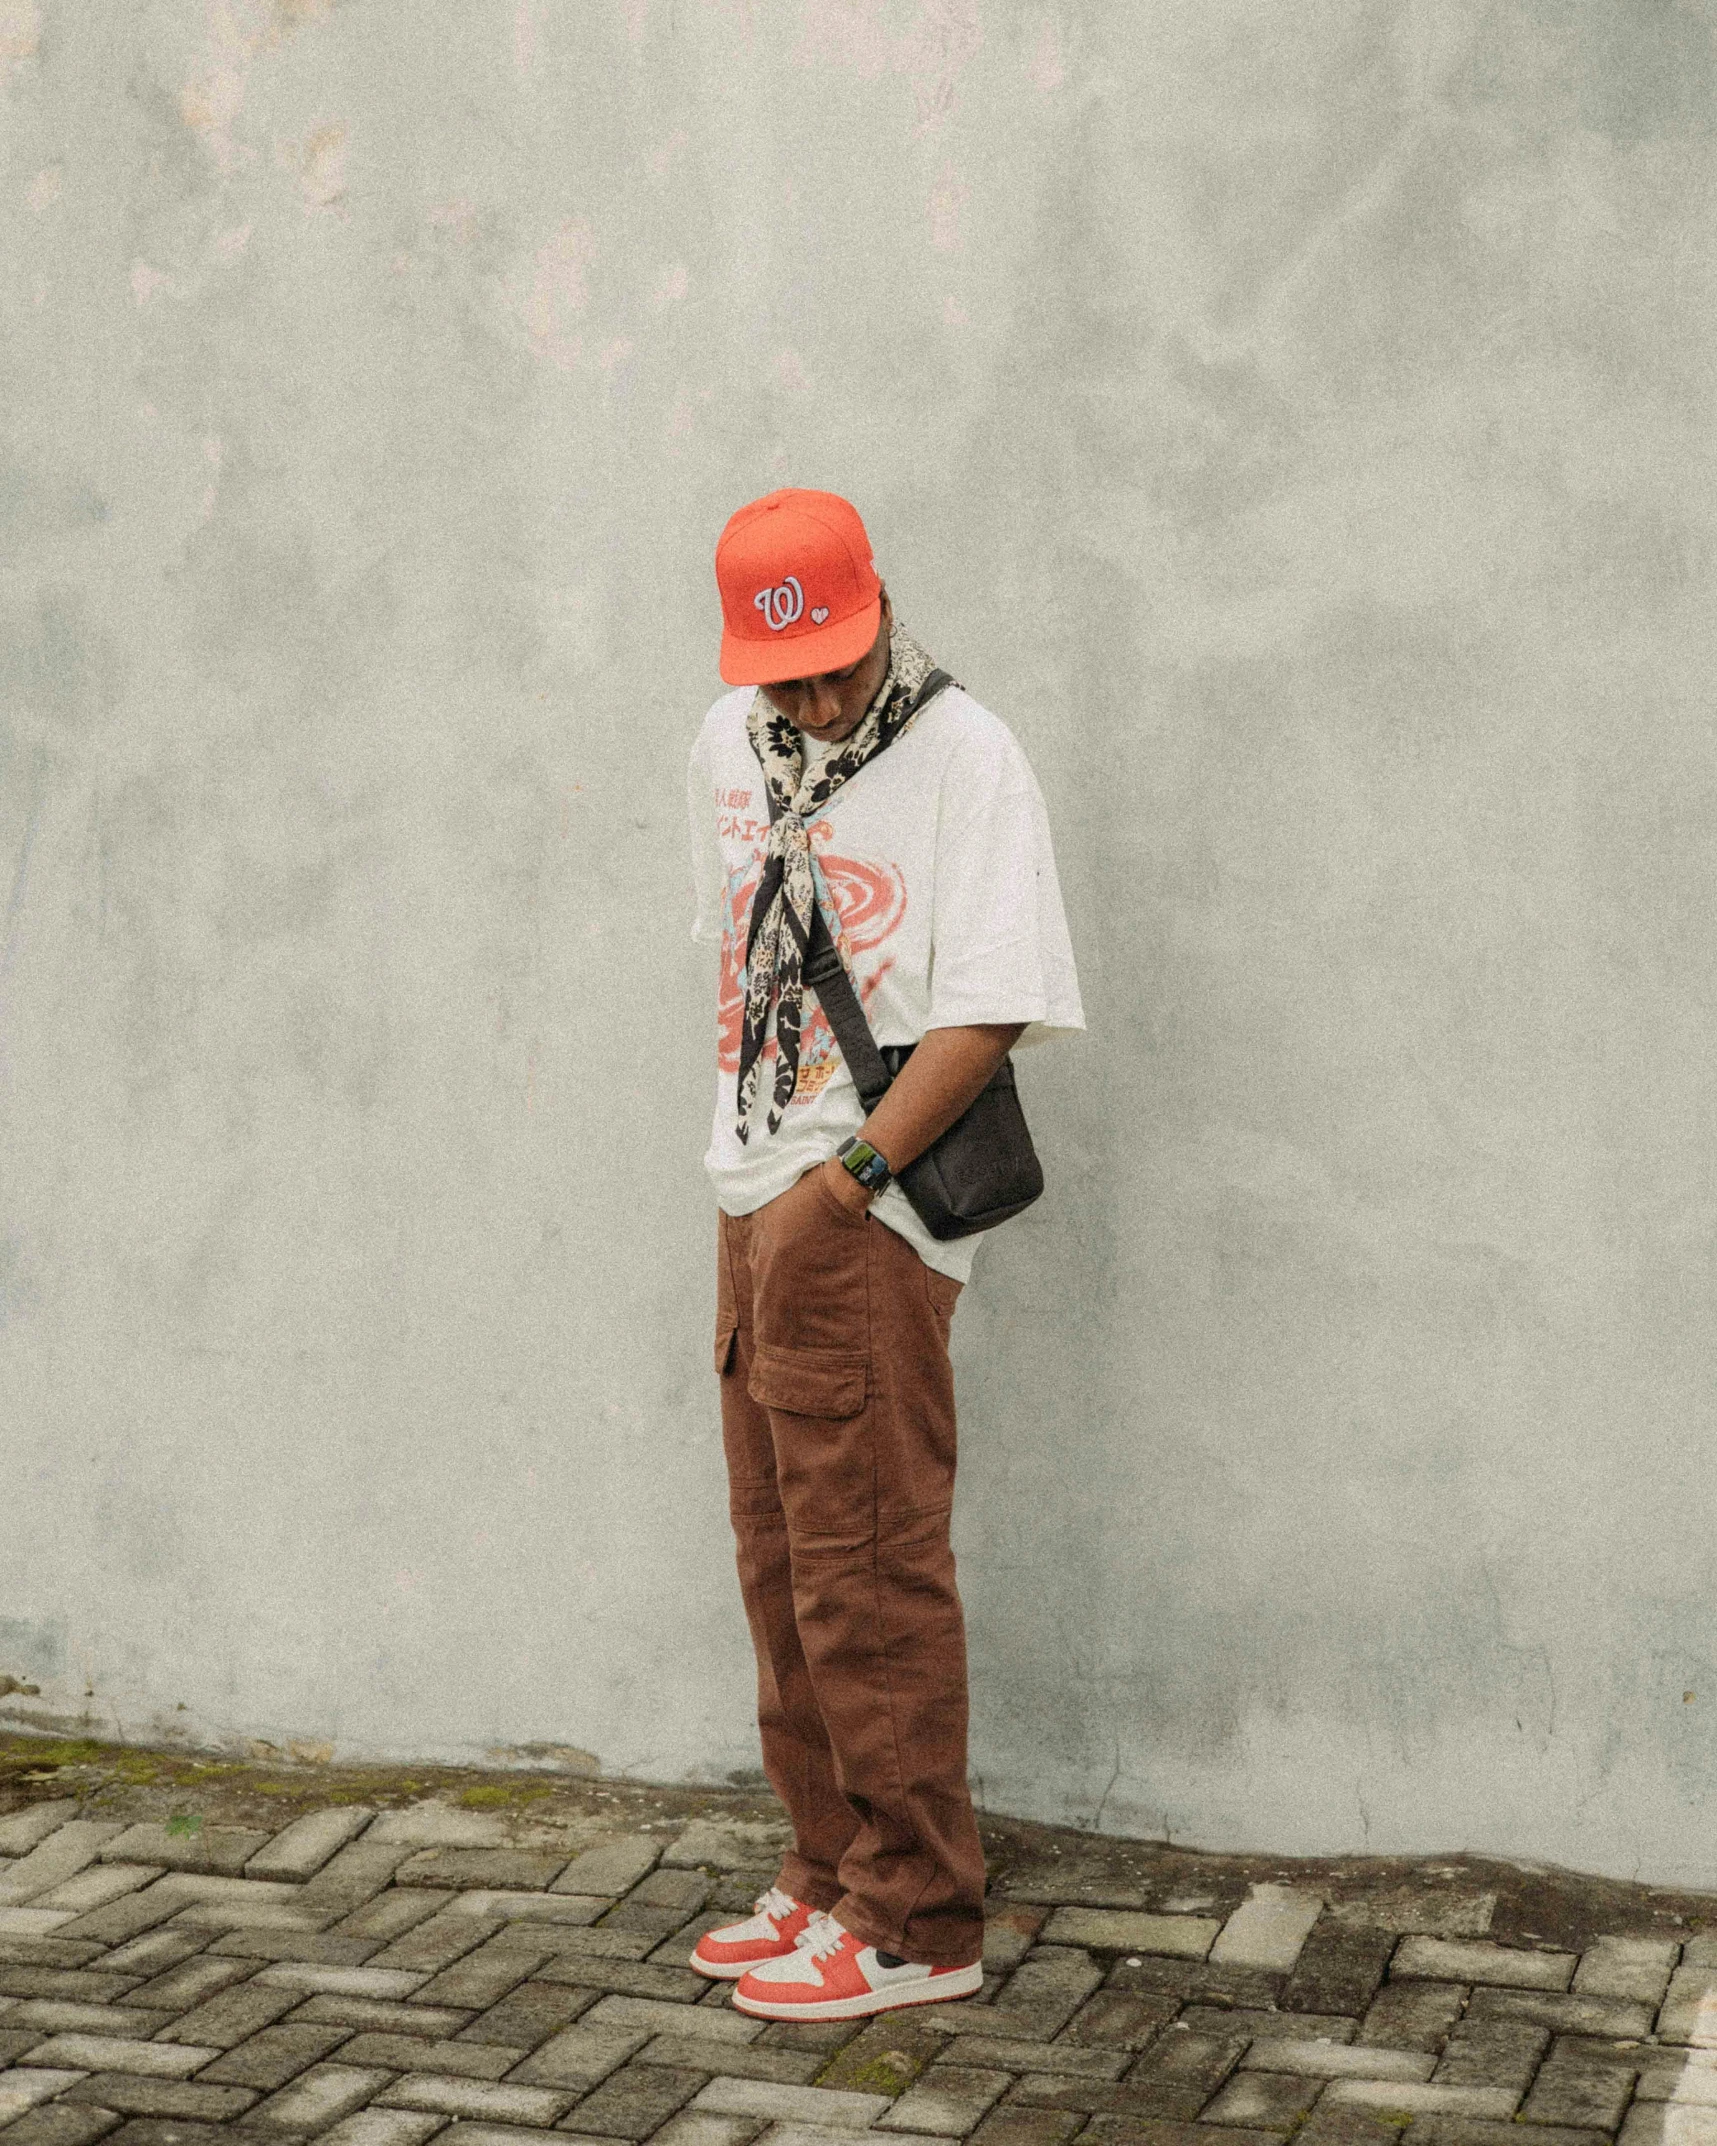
961, 1982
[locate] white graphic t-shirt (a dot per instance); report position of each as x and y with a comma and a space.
935, 861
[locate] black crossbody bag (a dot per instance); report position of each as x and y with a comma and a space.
983, 1169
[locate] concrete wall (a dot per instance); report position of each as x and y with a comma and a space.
1298, 423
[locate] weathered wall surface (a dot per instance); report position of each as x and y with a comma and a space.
1298, 423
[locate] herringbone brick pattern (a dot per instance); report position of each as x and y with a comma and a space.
378, 1980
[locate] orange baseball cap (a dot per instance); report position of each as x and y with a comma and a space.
799, 588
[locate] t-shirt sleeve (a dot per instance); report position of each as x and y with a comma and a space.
705, 844
999, 944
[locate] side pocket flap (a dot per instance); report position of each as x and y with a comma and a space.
723, 1348
809, 1382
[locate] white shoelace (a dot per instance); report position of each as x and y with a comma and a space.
776, 1904
821, 1936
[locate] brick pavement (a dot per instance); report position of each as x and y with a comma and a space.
376, 1977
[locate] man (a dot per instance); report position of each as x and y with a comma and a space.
918, 828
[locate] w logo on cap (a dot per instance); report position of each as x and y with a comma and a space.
782, 604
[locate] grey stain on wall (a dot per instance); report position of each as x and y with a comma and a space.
56, 661
33, 1647
1634, 70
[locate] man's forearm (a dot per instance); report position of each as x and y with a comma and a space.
940, 1080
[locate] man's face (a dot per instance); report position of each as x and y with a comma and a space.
831, 705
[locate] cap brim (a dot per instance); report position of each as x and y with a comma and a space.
828, 648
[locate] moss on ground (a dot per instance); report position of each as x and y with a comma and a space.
879, 2076
498, 1795
272, 1788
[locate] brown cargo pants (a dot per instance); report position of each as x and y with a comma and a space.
837, 1408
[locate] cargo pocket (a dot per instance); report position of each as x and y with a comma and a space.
809, 1382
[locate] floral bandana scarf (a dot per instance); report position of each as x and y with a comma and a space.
786, 894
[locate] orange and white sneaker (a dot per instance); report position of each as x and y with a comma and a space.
775, 1927
831, 1974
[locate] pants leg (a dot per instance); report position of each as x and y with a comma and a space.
850, 1473
797, 1760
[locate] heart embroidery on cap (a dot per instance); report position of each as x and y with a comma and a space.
818, 616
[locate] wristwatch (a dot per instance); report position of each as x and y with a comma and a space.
863, 1161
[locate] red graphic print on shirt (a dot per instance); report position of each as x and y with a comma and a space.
869, 900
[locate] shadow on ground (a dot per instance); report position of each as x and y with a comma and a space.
1446, 1895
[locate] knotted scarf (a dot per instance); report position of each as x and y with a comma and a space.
786, 894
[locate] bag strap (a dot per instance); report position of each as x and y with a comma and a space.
826, 973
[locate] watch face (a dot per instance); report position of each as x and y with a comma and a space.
865, 1163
